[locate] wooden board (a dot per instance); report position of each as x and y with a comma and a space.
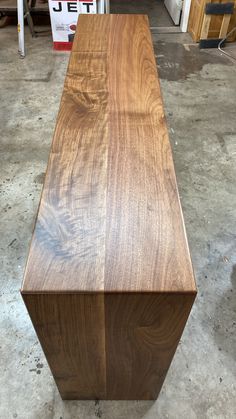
110, 217
225, 26
109, 235
70, 328
142, 333
205, 26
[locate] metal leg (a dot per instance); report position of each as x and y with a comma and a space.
107, 6
20, 27
101, 6
29, 18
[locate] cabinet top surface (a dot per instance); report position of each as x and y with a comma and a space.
109, 218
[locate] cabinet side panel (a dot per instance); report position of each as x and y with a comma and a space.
70, 329
196, 18
142, 333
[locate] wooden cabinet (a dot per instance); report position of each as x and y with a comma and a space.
196, 19
109, 282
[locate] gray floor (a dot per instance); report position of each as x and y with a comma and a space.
199, 90
157, 13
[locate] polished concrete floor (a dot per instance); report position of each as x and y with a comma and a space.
199, 91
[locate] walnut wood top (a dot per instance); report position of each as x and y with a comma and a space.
110, 217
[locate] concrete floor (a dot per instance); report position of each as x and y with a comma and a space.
155, 9
199, 90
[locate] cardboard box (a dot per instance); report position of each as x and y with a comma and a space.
64, 15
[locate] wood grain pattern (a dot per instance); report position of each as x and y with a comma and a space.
109, 282
205, 26
225, 26
142, 333
146, 247
110, 217
70, 328
68, 246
